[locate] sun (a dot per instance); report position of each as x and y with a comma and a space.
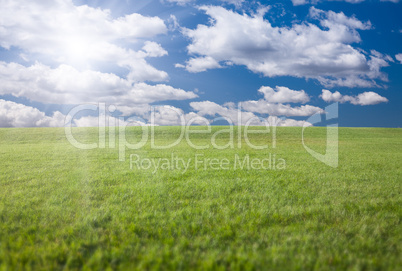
76, 50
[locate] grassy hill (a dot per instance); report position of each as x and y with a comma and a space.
62, 207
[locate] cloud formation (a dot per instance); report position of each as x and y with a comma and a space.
284, 95
303, 50
267, 109
173, 116
200, 64
236, 3
179, 2
237, 116
399, 57
264, 107
18, 115
314, 2
275, 103
81, 36
66, 85
14, 114
365, 98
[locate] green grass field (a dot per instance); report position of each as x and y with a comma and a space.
65, 208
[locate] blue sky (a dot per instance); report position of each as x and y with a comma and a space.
282, 60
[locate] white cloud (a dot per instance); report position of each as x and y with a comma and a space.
303, 50
237, 3
164, 115
88, 121
332, 19
13, 114
173, 23
154, 49
178, 65
399, 57
18, 115
173, 116
313, 2
229, 112
275, 121
81, 36
178, 2
264, 107
200, 64
66, 85
271, 105
299, 2
365, 98
44, 26
369, 98
252, 112
208, 108
284, 95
